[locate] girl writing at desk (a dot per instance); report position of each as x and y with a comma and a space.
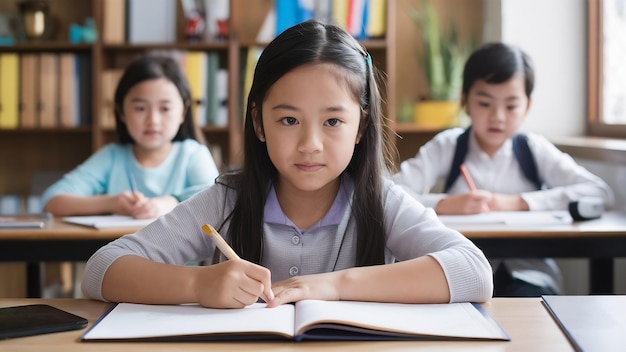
310, 213
498, 80
157, 161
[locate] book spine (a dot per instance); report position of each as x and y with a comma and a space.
9, 89
114, 21
29, 65
48, 90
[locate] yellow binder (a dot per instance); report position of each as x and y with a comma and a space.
9, 88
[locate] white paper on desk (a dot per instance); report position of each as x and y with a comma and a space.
107, 221
523, 218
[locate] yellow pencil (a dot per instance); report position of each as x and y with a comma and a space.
219, 242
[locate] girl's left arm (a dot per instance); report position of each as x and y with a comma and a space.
436, 264
420, 280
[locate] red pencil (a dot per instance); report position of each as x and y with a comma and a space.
468, 178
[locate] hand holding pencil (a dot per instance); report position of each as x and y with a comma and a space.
231, 255
474, 202
492, 201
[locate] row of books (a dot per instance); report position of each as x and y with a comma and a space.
251, 56
207, 80
364, 19
209, 87
154, 21
46, 90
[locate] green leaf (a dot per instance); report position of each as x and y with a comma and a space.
443, 56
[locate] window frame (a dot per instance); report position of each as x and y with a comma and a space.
595, 125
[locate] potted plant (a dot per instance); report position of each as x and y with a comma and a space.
441, 59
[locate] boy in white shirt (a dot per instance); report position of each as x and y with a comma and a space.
511, 172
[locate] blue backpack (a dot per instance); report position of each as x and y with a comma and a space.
521, 150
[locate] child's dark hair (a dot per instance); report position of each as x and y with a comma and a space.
149, 67
497, 63
307, 43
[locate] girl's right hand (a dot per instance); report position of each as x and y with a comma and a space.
467, 203
126, 202
234, 283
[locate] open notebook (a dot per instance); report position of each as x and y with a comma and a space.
107, 221
306, 320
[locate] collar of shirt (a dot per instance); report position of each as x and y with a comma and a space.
274, 214
505, 150
499, 173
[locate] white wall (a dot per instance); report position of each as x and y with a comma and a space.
553, 33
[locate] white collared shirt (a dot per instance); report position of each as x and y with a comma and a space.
564, 181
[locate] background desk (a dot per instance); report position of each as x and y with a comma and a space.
600, 240
56, 242
527, 322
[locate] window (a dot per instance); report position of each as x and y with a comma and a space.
607, 68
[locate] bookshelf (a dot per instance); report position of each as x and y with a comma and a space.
27, 151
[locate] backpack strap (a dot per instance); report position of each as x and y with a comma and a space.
462, 143
521, 150
526, 160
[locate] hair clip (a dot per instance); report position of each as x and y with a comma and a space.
368, 59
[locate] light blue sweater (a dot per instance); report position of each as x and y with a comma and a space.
189, 168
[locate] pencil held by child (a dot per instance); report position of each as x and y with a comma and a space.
228, 252
468, 178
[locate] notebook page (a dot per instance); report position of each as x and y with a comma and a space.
107, 221
128, 321
445, 320
521, 218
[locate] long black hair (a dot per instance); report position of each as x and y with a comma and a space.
148, 67
313, 42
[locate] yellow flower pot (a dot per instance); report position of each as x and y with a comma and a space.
436, 114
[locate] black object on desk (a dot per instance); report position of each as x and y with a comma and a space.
37, 319
586, 208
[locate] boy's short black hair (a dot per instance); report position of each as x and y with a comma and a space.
497, 63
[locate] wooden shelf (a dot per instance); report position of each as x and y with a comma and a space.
64, 148
57, 130
375, 44
47, 46
370, 44
414, 128
201, 46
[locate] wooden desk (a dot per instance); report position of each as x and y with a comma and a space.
599, 240
527, 322
57, 241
